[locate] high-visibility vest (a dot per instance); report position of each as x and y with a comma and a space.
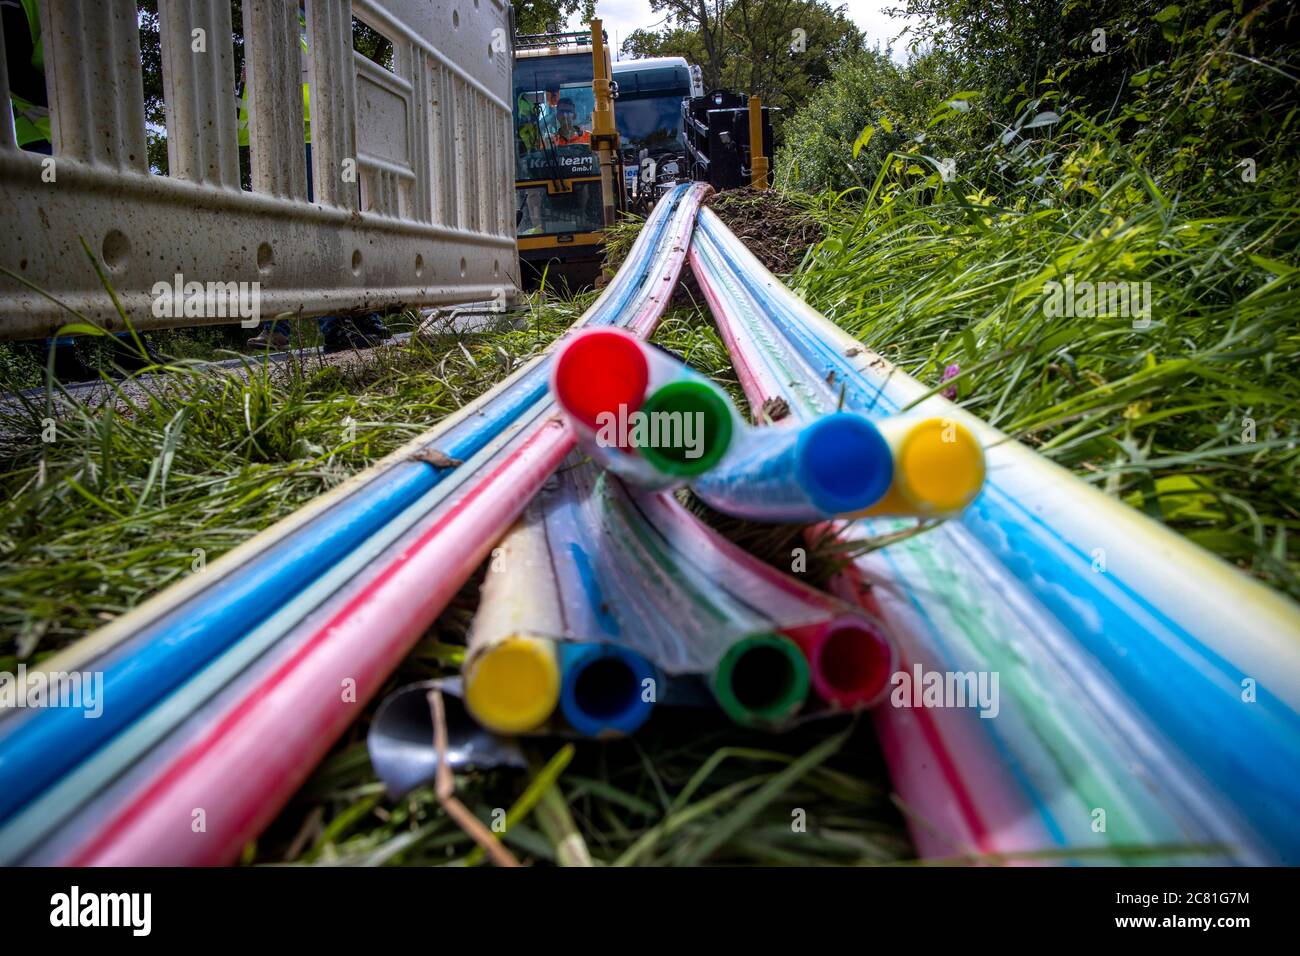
583, 137
306, 108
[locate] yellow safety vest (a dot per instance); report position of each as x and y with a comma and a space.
306, 110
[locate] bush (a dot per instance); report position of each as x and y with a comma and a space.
869, 91
1197, 94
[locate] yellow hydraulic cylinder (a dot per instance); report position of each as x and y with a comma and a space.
604, 134
757, 161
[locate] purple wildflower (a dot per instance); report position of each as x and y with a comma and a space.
952, 371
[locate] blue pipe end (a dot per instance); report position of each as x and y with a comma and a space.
604, 690
843, 463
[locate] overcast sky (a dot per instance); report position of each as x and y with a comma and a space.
623, 16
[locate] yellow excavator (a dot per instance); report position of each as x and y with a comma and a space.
568, 175
572, 170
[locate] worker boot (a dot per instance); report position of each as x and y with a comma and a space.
352, 332
264, 339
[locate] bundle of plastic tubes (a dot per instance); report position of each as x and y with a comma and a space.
603, 602
836, 464
641, 413
1109, 668
654, 422
215, 686
537, 643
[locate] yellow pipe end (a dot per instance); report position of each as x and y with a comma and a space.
513, 686
938, 470
940, 466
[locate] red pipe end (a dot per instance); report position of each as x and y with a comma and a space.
849, 660
597, 372
854, 663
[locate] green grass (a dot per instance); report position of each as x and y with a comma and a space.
689, 788
118, 503
23, 364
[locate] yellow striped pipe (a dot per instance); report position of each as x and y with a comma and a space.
512, 670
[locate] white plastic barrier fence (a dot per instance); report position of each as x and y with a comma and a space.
411, 169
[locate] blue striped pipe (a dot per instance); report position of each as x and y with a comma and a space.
832, 465
1251, 752
94, 774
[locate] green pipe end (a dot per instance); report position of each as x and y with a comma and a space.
682, 410
762, 680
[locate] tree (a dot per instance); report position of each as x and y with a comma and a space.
787, 46
870, 109
704, 19
550, 16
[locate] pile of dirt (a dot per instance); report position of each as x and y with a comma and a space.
777, 230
